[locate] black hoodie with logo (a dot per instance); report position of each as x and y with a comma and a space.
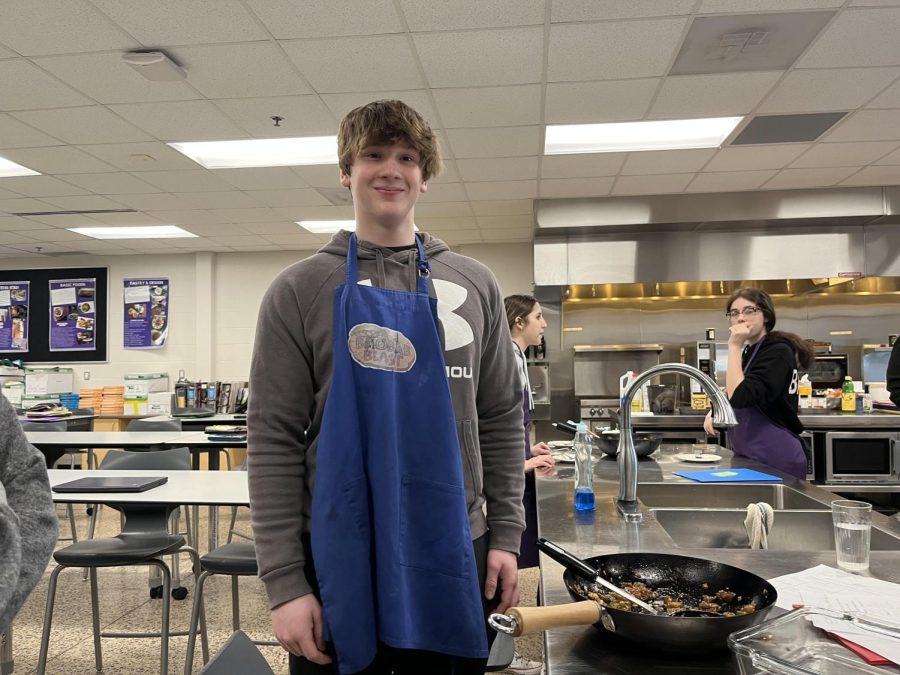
771, 382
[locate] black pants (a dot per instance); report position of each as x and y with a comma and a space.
392, 661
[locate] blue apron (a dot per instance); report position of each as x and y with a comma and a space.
757, 437
390, 529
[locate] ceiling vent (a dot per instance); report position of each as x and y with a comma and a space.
155, 65
802, 128
81, 212
734, 43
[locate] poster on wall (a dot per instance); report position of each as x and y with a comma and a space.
146, 313
73, 315
14, 316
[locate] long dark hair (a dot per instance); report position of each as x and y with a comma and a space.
804, 351
518, 307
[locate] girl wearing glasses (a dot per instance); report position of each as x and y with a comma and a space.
762, 382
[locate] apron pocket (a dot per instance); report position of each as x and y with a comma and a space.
433, 527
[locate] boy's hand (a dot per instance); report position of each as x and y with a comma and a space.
297, 625
502, 568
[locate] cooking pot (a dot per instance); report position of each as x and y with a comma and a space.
645, 442
685, 576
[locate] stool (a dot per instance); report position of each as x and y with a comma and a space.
235, 560
143, 541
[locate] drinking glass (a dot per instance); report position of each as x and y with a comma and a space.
852, 533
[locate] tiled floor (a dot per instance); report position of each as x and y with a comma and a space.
125, 605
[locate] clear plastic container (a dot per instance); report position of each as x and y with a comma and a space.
789, 644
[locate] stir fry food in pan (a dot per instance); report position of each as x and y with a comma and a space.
668, 600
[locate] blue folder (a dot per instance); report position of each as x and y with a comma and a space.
729, 476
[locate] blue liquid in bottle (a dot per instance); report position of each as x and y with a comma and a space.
584, 499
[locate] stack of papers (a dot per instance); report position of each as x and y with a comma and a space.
841, 591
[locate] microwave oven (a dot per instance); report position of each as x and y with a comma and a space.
862, 457
828, 371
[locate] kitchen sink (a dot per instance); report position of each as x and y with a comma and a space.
724, 496
791, 530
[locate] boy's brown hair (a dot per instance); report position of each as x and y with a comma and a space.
384, 123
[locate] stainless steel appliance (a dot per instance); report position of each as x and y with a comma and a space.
875, 363
539, 376
810, 455
712, 359
861, 457
828, 370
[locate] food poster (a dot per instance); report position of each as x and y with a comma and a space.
73, 315
146, 313
14, 316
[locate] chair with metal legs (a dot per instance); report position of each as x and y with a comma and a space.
238, 655
143, 541
234, 560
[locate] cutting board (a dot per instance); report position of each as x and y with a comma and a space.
729, 476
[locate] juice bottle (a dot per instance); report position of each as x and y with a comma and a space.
848, 396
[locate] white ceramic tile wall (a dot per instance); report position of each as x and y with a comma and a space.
239, 280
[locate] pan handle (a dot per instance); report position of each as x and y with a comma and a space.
538, 619
566, 559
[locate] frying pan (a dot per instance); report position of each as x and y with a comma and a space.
645, 443
681, 575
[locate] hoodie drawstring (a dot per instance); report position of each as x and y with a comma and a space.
379, 264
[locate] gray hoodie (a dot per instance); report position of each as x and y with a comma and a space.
28, 525
290, 377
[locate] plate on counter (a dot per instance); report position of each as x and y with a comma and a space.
559, 444
703, 458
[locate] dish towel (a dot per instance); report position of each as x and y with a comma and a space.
759, 520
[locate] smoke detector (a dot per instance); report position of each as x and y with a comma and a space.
155, 65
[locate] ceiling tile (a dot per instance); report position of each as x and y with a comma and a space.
734, 6
218, 200
874, 3
857, 37
651, 185
790, 179
245, 216
277, 198
833, 89
444, 210
154, 202
503, 207
614, 50
94, 124
481, 57
582, 166
127, 219
140, 156
120, 183
729, 181
295, 213
15, 134
447, 224
444, 192
868, 125
60, 159
506, 236
108, 79
605, 10
10, 223
301, 238
875, 175
280, 227
174, 22
57, 220
417, 99
495, 142
511, 189
83, 203
356, 64
326, 18
180, 120
240, 71
509, 168
199, 180
301, 116
8, 194
593, 102
556, 188
448, 173
890, 98
26, 86
186, 217
892, 158
39, 186
57, 235
666, 161
15, 238
264, 178
321, 176
439, 15
239, 240
60, 27
759, 157
489, 106
842, 154
711, 95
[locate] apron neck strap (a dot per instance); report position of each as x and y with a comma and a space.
753, 355
353, 264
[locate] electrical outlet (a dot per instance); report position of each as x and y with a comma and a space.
87, 374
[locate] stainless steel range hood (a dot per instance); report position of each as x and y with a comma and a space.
718, 237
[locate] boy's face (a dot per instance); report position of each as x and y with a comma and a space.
385, 181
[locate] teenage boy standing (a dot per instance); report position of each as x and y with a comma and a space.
381, 424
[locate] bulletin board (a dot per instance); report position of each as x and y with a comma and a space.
40, 316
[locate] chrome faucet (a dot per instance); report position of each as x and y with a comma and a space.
723, 417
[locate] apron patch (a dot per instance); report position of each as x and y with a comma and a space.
381, 348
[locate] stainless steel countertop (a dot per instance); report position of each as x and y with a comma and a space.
831, 420
587, 650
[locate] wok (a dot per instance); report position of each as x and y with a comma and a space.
645, 443
676, 574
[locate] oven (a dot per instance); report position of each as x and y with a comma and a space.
859, 457
828, 371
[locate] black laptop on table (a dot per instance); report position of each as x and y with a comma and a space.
111, 484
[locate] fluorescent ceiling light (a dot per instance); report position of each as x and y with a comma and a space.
261, 152
331, 226
136, 232
9, 169
566, 139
